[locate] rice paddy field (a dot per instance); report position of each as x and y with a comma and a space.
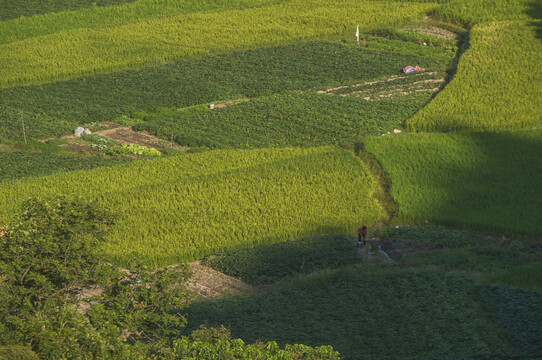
280, 131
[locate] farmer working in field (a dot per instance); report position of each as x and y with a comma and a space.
362, 233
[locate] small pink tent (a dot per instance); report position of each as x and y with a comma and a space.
408, 69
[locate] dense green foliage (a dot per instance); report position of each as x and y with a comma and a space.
485, 181
55, 109
48, 260
51, 246
294, 119
216, 343
266, 263
365, 315
519, 313
497, 84
433, 234
17, 352
79, 52
216, 200
19, 164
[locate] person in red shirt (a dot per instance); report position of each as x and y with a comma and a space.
362, 233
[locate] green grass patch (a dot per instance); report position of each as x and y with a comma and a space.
265, 263
496, 86
21, 164
433, 234
365, 315
485, 260
526, 276
12, 9
86, 51
483, 181
486, 11
128, 96
215, 200
88, 14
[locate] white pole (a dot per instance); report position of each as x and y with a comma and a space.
357, 34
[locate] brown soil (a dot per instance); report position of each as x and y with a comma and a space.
402, 90
231, 102
123, 135
211, 284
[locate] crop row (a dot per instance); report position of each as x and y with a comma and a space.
183, 208
367, 315
19, 164
55, 18
497, 84
55, 109
292, 119
485, 181
12, 9
80, 52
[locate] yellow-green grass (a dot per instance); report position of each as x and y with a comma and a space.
471, 12
186, 207
498, 83
25, 27
87, 51
484, 181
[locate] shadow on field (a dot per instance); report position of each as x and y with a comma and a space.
485, 181
535, 12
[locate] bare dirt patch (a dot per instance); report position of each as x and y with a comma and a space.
378, 89
122, 135
211, 284
230, 102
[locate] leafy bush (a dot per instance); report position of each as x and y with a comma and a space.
48, 258
134, 149
216, 343
17, 353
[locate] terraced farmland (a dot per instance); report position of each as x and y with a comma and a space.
279, 128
